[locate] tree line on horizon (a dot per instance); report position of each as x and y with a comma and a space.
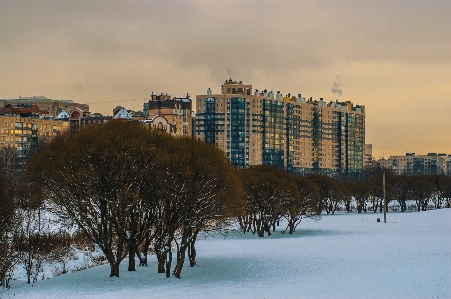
132, 191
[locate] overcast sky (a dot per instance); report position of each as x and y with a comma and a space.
394, 57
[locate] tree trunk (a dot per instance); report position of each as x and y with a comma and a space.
145, 250
141, 257
268, 228
255, 225
291, 225
115, 269
131, 256
180, 261
192, 251
161, 263
161, 253
168, 256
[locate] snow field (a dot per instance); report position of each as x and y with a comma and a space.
340, 256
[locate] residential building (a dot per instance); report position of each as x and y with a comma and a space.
160, 122
80, 123
412, 164
302, 136
51, 107
177, 112
384, 164
26, 121
368, 157
24, 133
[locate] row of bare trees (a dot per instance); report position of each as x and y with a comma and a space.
361, 196
269, 194
133, 191
426, 191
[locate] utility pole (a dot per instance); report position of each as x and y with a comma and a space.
385, 200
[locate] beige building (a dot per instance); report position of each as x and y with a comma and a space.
368, 156
177, 112
27, 120
23, 133
299, 135
412, 164
52, 107
161, 123
384, 164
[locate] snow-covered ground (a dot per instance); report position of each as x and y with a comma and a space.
340, 256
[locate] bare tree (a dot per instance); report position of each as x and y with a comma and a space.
443, 190
267, 193
331, 193
304, 205
422, 191
97, 180
199, 187
362, 193
8, 160
8, 223
401, 188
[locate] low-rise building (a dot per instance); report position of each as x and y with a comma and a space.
26, 121
51, 107
412, 164
176, 111
368, 157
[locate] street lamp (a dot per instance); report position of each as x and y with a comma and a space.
385, 200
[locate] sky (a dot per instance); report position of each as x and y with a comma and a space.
393, 57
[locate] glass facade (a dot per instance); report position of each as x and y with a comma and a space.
210, 120
238, 134
273, 136
355, 141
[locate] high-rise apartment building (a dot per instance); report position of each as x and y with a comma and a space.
299, 135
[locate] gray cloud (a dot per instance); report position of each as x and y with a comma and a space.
218, 35
111, 51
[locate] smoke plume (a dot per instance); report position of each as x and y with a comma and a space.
335, 88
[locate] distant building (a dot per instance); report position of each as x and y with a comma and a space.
51, 107
384, 164
368, 157
160, 122
26, 121
177, 112
122, 113
24, 133
412, 164
77, 124
299, 135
